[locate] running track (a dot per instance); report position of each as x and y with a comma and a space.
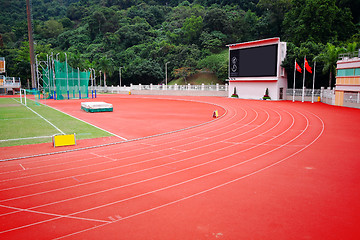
263, 170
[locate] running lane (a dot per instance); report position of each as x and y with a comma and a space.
264, 170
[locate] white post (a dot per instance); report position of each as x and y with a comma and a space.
79, 82
166, 73
294, 81
37, 72
94, 77
53, 70
25, 96
312, 96
120, 75
67, 77
20, 95
303, 86
100, 77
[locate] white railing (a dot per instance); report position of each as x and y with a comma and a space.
307, 92
352, 97
326, 95
10, 82
163, 87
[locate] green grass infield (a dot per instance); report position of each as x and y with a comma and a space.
21, 126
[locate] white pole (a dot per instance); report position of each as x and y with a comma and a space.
37, 72
79, 78
94, 77
303, 85
166, 73
67, 78
21, 95
100, 77
312, 97
120, 75
25, 96
53, 70
294, 81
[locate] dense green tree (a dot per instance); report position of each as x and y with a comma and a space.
192, 28
217, 63
216, 19
143, 71
329, 57
318, 21
76, 11
273, 15
311, 50
51, 29
76, 60
214, 41
135, 33
106, 65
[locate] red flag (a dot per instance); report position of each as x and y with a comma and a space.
307, 66
298, 68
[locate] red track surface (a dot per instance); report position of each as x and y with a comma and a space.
264, 170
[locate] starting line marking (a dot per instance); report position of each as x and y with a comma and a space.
18, 139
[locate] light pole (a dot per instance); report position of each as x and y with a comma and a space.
120, 75
94, 78
166, 73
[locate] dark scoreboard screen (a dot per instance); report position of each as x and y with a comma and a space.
254, 62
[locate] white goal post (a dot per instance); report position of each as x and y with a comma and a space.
23, 95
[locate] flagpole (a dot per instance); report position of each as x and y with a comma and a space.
312, 97
294, 81
303, 86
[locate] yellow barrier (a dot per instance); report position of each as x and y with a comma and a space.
64, 140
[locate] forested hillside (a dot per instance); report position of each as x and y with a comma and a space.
141, 36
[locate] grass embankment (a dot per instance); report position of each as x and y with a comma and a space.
215, 65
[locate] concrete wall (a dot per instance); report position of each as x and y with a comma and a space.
254, 90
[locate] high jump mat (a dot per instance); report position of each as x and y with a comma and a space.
96, 107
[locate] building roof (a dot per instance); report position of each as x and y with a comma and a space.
254, 43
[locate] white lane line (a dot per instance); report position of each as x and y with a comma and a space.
86, 122
43, 118
131, 164
209, 189
50, 214
22, 166
142, 170
17, 139
141, 150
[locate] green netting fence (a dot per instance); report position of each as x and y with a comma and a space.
65, 82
